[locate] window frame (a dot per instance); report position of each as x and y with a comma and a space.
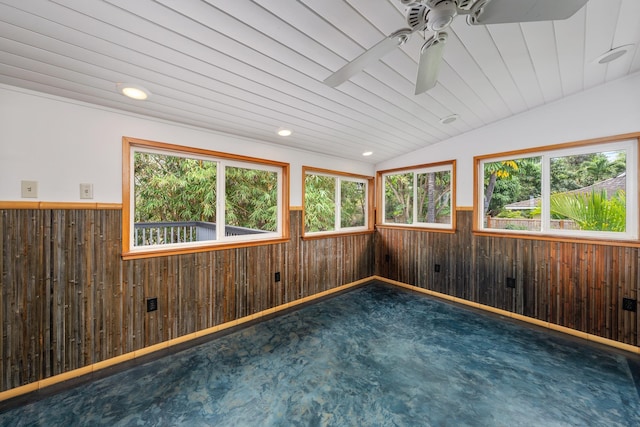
627, 142
369, 181
132, 145
445, 165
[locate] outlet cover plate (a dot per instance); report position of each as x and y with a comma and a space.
629, 304
29, 189
86, 191
152, 304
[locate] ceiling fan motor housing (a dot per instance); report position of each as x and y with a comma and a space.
417, 16
441, 14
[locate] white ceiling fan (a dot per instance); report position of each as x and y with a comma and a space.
437, 15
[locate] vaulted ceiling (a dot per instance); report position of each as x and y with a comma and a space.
250, 67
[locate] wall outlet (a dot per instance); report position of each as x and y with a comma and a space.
29, 189
86, 191
629, 304
511, 282
277, 276
436, 268
152, 304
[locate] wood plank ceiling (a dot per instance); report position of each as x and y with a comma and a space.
249, 67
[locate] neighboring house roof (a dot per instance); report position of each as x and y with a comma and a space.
611, 186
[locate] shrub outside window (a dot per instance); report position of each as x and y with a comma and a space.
584, 190
172, 199
336, 202
419, 196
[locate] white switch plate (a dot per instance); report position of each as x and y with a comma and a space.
29, 189
86, 191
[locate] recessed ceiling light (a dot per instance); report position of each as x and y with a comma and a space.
367, 153
133, 91
613, 54
284, 132
449, 119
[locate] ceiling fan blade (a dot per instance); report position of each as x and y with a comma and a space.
367, 57
509, 11
430, 59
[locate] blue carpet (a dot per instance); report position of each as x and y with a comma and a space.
375, 356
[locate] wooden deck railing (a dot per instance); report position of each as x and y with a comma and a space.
161, 233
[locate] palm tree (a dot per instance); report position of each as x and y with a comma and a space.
591, 211
598, 168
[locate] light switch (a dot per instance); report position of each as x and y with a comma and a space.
86, 191
29, 189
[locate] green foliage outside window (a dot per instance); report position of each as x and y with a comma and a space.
398, 202
429, 191
171, 188
251, 198
319, 203
434, 191
572, 198
353, 204
321, 207
591, 211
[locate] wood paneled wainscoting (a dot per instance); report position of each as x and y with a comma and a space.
574, 285
70, 303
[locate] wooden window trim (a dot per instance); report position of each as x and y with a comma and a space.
370, 203
380, 195
479, 231
127, 253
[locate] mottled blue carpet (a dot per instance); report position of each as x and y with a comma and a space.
375, 356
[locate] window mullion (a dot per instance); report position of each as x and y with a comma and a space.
480, 215
220, 201
366, 205
383, 200
545, 214
631, 191
337, 210
280, 202
415, 198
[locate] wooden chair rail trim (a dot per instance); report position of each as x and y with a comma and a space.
59, 205
559, 239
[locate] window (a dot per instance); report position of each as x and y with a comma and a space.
420, 196
585, 190
180, 199
336, 202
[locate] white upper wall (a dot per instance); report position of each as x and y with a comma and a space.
61, 143
611, 109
